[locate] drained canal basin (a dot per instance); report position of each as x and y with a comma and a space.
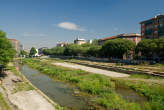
59, 92
63, 94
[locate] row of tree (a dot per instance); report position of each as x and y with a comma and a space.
7, 52
116, 48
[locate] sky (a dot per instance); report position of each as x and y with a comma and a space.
44, 23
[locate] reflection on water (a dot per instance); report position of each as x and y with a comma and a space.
130, 94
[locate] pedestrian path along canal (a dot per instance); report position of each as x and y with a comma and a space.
63, 93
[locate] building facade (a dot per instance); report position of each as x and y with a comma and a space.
79, 41
153, 28
136, 38
15, 43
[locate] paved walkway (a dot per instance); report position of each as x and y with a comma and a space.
30, 100
24, 100
92, 70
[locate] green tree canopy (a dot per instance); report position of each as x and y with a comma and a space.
23, 52
94, 50
73, 49
7, 52
32, 51
147, 47
58, 50
117, 48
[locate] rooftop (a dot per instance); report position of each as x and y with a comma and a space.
122, 35
155, 17
13, 39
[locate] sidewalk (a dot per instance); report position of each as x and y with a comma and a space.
24, 99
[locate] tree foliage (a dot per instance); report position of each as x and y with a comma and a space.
73, 50
149, 47
23, 52
117, 48
7, 52
32, 51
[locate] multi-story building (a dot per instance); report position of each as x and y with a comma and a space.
15, 43
136, 38
79, 41
153, 28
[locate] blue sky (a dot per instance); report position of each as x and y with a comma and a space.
41, 23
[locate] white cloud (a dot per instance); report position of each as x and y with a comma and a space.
70, 26
34, 35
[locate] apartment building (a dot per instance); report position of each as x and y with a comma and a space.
15, 43
153, 28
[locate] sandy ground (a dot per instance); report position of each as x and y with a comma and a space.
24, 100
92, 70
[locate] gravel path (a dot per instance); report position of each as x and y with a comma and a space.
92, 70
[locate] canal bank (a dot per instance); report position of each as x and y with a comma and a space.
20, 94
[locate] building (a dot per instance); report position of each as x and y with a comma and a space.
136, 38
79, 41
153, 28
15, 43
62, 44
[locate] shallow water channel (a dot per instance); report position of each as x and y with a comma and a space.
63, 94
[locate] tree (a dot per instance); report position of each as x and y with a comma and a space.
32, 51
95, 42
23, 53
7, 52
148, 47
73, 49
57, 50
94, 50
47, 51
117, 48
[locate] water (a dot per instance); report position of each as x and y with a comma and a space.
59, 92
130, 94
63, 94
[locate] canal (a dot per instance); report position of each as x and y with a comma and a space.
63, 93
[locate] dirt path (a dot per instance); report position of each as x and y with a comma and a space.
92, 70
24, 100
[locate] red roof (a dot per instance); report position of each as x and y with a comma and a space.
122, 35
107, 38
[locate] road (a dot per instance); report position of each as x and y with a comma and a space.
91, 69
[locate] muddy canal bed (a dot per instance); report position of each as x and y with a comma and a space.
64, 94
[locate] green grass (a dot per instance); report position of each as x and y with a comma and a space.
154, 92
99, 86
60, 108
22, 86
3, 104
13, 70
